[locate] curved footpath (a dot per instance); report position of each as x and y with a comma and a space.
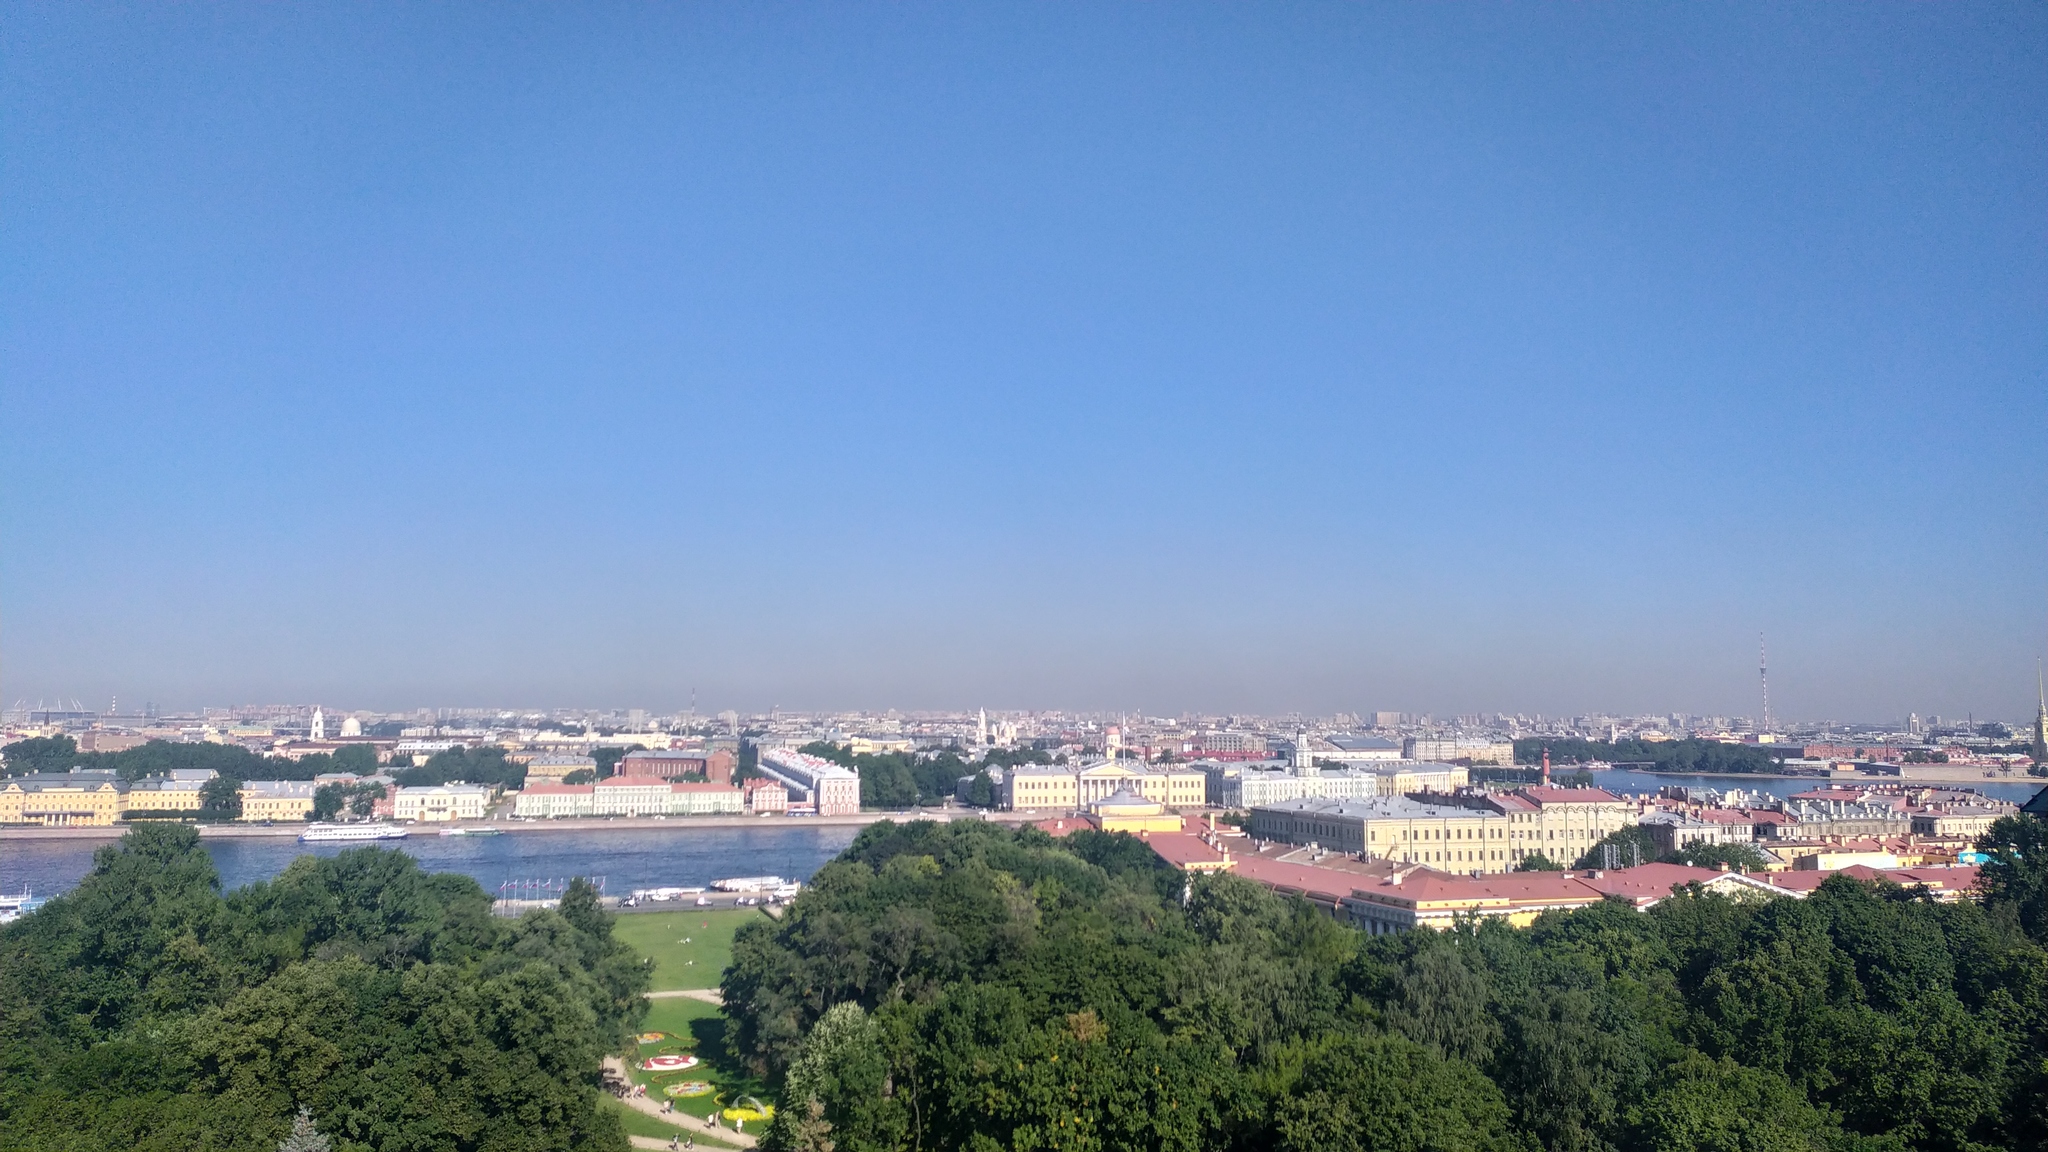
703, 1130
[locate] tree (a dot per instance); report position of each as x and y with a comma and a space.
2014, 875
608, 760
1728, 857
1538, 862
40, 754
328, 800
981, 791
220, 799
305, 1137
144, 1009
362, 798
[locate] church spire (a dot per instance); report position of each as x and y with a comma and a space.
2041, 718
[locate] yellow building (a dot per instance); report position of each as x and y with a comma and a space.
1124, 812
1560, 824
1446, 837
181, 791
277, 800
1062, 789
78, 798
1041, 789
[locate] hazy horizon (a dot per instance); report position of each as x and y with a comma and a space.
1204, 358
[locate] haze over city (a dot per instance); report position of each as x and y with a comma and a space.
1159, 359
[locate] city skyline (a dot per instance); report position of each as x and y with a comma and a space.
1456, 360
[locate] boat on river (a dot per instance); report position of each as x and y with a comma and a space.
351, 833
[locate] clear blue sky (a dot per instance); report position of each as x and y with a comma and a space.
1264, 357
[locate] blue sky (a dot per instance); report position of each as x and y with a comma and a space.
1318, 357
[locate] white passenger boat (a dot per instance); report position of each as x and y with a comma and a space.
750, 884
480, 830
351, 833
13, 908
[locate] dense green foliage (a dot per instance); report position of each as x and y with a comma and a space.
486, 765
160, 757
146, 1010
358, 799
608, 761
963, 986
897, 779
220, 799
1633, 845
1684, 756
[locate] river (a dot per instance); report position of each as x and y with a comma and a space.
1628, 780
625, 859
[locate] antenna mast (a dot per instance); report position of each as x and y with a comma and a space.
1763, 672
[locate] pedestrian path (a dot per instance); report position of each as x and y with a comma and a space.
708, 1135
707, 995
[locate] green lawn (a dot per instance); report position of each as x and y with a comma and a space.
697, 964
688, 1025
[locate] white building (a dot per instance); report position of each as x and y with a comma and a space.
833, 790
1255, 787
1478, 751
551, 801
441, 803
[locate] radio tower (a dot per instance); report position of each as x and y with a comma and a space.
1763, 672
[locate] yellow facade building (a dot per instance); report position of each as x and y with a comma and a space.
276, 800
1124, 812
1057, 788
63, 799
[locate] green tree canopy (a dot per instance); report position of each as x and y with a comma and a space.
354, 1000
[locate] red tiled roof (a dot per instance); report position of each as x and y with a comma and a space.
1324, 883
1648, 882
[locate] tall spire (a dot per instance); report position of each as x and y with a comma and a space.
2041, 718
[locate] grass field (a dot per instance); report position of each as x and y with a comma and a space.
696, 964
690, 950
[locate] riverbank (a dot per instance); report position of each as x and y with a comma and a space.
535, 827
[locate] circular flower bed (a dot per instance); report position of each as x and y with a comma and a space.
688, 1088
668, 1063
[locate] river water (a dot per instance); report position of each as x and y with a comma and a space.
626, 860
1628, 780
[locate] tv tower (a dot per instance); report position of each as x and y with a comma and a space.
1763, 672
